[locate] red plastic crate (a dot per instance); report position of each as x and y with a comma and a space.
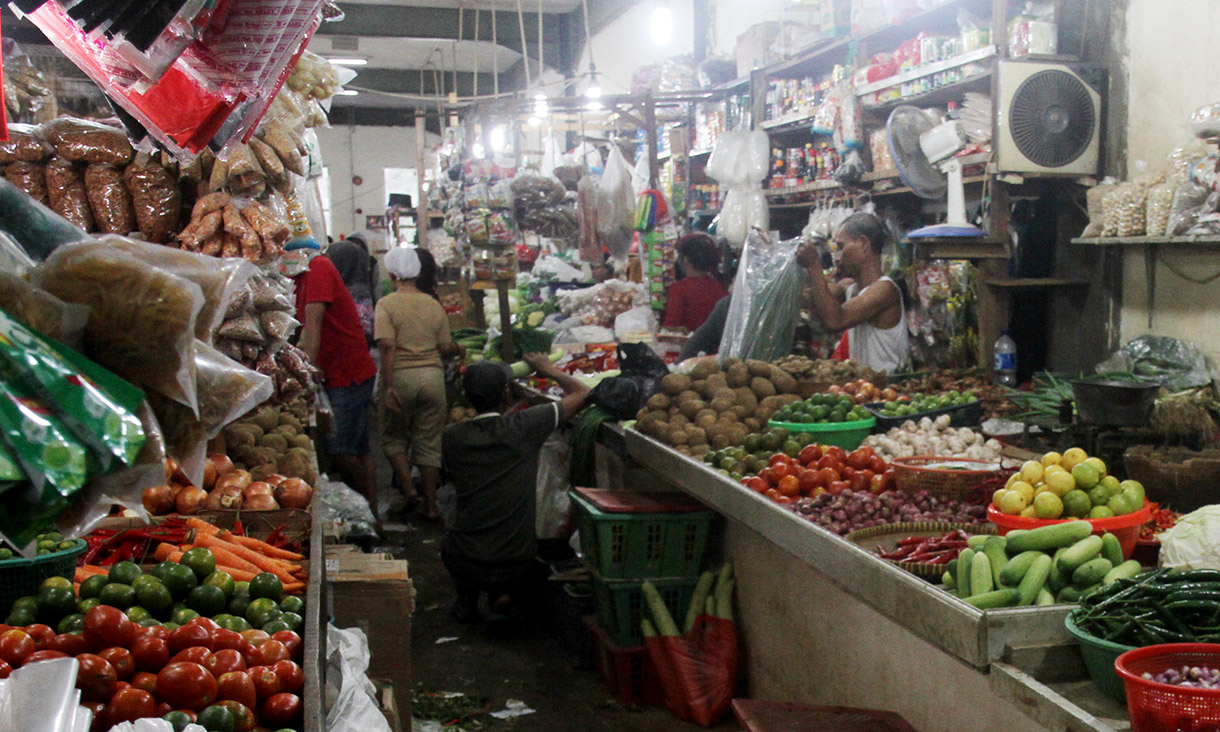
627, 673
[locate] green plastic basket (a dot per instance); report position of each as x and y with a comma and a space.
847, 435
1099, 656
638, 545
20, 577
621, 605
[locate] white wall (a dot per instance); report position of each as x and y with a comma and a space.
365, 152
625, 45
1172, 65
731, 18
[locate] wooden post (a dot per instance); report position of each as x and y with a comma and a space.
480, 315
506, 322
650, 123
421, 168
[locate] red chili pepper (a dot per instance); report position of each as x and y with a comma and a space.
238, 529
912, 540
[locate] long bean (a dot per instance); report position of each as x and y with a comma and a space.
1139, 611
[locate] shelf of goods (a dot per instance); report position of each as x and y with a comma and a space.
875, 177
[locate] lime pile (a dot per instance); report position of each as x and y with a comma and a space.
755, 454
1071, 485
49, 543
921, 403
822, 408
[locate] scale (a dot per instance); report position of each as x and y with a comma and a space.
923, 153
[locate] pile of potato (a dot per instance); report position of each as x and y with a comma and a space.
272, 441
716, 406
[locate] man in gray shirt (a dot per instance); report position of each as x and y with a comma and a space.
492, 461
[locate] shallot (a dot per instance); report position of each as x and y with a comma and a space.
1199, 677
852, 510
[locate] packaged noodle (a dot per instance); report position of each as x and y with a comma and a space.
141, 320
42, 311
97, 406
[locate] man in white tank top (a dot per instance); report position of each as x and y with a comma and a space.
870, 310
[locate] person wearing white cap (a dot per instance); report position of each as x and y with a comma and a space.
412, 334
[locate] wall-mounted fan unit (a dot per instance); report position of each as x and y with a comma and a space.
1048, 119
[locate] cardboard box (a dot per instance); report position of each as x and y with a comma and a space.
373, 592
754, 46
396, 713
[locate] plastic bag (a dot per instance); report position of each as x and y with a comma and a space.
1094, 199
66, 193
637, 320
23, 144
13, 259
732, 222
1189, 203
616, 205
347, 659
1123, 210
698, 669
553, 519
722, 164
344, 507
82, 141
640, 374
42, 311
141, 321
155, 197
1174, 364
850, 171
766, 301
30, 178
1159, 207
109, 200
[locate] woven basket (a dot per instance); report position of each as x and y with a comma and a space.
887, 537
912, 475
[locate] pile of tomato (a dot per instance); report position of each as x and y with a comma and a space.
819, 469
221, 679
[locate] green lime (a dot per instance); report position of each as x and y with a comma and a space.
135, 613
55, 602
234, 623
84, 606
201, 562
238, 604
276, 626
293, 604
178, 579
63, 582
5, 553
241, 588
171, 625
207, 600
66, 545
1120, 505
1076, 504
179, 720
1098, 512
71, 624
118, 595
92, 586
125, 573
223, 580
792, 448
216, 719
20, 617
29, 602
183, 615
148, 622
293, 620
1134, 491
152, 594
262, 611
48, 546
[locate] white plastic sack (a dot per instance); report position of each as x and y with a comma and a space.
347, 659
553, 517
563, 271
722, 164
642, 319
757, 160
758, 214
585, 334
152, 724
732, 223
616, 205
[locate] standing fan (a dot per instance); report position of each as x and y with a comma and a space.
923, 152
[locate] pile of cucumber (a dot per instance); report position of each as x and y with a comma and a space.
1060, 563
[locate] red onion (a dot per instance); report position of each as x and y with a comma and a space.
293, 493
158, 499
189, 499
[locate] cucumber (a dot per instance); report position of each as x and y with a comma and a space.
1068, 594
1077, 554
1091, 572
963, 572
976, 541
1006, 597
980, 574
1056, 581
1050, 537
1012, 535
1111, 549
994, 549
948, 581
1126, 569
1015, 569
1034, 579
1045, 597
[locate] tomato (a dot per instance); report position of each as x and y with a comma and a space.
15, 645
254, 637
189, 636
291, 641
291, 676
224, 638
5, 670
780, 471
876, 463
282, 710
69, 644
95, 677
837, 453
809, 481
867, 451
156, 631
875, 485
888, 481
789, 485
243, 717
238, 686
187, 685
826, 461
131, 704
272, 651
758, 485
266, 683
99, 714
107, 627
846, 472
767, 476
859, 482
205, 622
199, 655
228, 660
43, 655
773, 494
146, 681
837, 487
122, 660
779, 458
867, 474
826, 476
858, 459
150, 653
40, 633
810, 454
163, 709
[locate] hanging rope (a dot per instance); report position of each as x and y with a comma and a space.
525, 49
461, 35
541, 46
588, 36
477, 50
495, 55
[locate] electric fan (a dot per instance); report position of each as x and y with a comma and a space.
923, 152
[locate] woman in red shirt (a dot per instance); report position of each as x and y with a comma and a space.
691, 299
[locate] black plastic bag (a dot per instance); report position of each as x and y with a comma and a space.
641, 371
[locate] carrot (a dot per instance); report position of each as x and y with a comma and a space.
266, 549
230, 539
264, 563
163, 552
201, 526
224, 554
239, 575
85, 572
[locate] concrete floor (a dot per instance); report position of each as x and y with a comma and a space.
531, 666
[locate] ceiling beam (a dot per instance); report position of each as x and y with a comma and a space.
399, 81
382, 117
416, 22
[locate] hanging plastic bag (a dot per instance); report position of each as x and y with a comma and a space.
616, 205
766, 301
757, 212
640, 374
757, 157
724, 165
553, 519
1175, 364
732, 223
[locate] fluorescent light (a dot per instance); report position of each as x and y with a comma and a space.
496, 138
534, 122
593, 92
662, 24
346, 93
539, 97
477, 150
349, 61
593, 106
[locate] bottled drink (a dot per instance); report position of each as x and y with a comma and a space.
1005, 353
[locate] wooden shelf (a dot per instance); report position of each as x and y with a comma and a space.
1035, 282
920, 72
958, 248
817, 185
906, 189
1138, 241
933, 97
965, 160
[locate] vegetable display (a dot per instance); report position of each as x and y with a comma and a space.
1161, 520
1071, 484
1160, 606
49, 543
934, 437
1192, 542
863, 391
814, 470
1198, 677
851, 510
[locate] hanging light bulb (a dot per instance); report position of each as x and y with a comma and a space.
477, 150
593, 91
534, 121
662, 23
593, 105
496, 138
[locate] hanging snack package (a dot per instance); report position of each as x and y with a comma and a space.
141, 321
82, 141
220, 280
22, 144
97, 406
156, 198
66, 192
45, 313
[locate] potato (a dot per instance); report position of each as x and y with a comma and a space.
745, 397
761, 387
719, 442
676, 437
680, 421
692, 408
706, 418
753, 424
783, 382
658, 402
686, 396
696, 436
742, 411
675, 384
275, 441
704, 369
737, 376
717, 381
700, 388
759, 369
721, 405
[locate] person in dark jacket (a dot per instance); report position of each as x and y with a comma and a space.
359, 272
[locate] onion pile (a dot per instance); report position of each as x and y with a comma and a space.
852, 510
1199, 677
934, 437
225, 488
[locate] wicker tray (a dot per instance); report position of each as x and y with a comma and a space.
887, 538
912, 474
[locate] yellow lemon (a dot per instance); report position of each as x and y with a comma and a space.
1048, 506
1096, 463
995, 497
1051, 458
1073, 457
1031, 471
1050, 470
1086, 476
1012, 479
1025, 489
1028, 512
1013, 502
1061, 482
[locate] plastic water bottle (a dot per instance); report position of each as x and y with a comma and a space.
1005, 353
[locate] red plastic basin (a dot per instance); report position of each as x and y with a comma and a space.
1126, 528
